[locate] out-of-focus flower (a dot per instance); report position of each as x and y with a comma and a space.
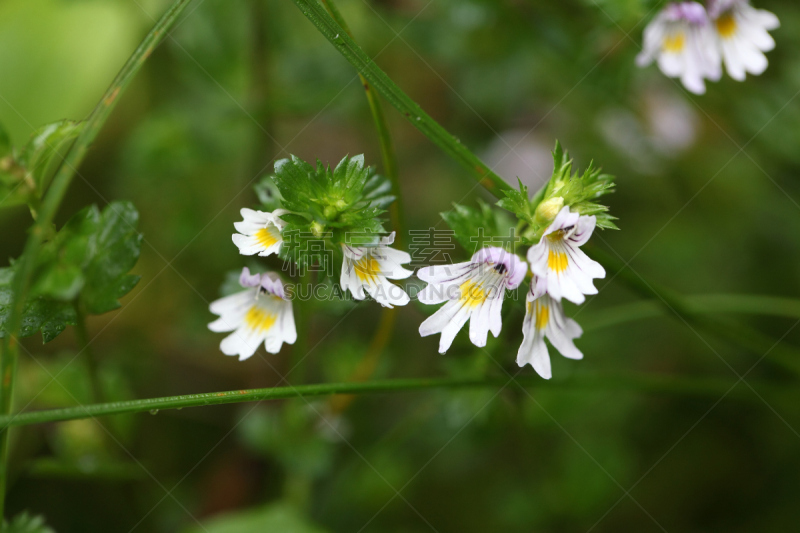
557, 259
368, 268
742, 34
259, 232
544, 318
260, 313
474, 290
681, 40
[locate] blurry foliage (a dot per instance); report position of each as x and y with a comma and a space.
84, 266
25, 523
275, 517
243, 83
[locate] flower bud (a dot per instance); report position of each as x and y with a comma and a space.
547, 210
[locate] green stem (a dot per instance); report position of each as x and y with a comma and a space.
332, 31
712, 387
388, 315
50, 205
679, 307
384, 136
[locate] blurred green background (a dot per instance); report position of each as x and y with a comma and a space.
707, 199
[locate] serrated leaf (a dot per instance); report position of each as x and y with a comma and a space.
43, 314
25, 523
90, 257
118, 247
45, 143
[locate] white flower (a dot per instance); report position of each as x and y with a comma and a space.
544, 318
474, 291
261, 313
741, 32
368, 267
681, 40
259, 232
558, 260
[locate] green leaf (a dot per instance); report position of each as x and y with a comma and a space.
43, 314
477, 228
25, 523
90, 257
45, 143
118, 245
277, 517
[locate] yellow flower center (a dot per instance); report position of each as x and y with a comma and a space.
267, 236
542, 316
472, 295
259, 320
674, 43
726, 26
557, 261
367, 268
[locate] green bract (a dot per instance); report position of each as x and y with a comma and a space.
86, 265
576, 191
477, 228
327, 207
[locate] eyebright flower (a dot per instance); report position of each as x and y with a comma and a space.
558, 260
260, 313
544, 318
259, 232
473, 290
741, 32
681, 40
368, 267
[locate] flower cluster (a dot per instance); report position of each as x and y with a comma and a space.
691, 43
330, 206
325, 207
474, 291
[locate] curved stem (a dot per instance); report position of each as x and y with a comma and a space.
677, 306
49, 207
397, 98
712, 387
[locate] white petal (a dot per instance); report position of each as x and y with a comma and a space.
453, 327
232, 303
445, 274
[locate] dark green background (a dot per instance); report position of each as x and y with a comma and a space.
707, 202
